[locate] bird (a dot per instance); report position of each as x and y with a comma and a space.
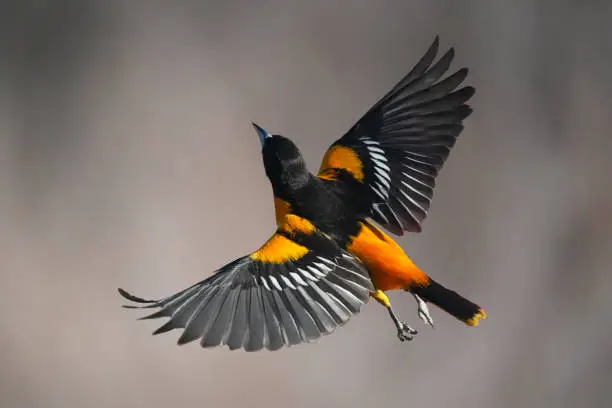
329, 254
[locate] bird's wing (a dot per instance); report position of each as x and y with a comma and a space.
398, 147
298, 286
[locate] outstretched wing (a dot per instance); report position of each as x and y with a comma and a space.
398, 147
298, 286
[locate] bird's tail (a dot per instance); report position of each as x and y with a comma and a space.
450, 301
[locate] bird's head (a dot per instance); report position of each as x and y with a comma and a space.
284, 164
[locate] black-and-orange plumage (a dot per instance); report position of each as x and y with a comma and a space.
327, 258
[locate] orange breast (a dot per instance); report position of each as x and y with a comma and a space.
389, 266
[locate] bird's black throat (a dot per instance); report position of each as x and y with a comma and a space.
285, 167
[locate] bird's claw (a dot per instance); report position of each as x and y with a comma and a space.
423, 311
405, 332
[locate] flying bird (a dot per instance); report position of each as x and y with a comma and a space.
327, 256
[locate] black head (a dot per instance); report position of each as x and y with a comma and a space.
284, 164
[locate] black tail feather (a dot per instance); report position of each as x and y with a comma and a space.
451, 302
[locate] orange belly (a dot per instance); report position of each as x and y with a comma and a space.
389, 266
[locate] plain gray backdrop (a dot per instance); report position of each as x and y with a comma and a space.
127, 159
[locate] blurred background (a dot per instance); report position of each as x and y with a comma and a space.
127, 159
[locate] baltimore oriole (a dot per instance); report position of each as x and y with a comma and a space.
326, 258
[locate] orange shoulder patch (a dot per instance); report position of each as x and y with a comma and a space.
342, 157
279, 249
294, 223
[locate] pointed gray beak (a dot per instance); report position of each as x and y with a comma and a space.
263, 133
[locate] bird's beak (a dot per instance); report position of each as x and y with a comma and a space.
263, 133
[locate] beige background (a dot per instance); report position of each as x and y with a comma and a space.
127, 159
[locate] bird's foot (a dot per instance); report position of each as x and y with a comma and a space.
423, 311
405, 332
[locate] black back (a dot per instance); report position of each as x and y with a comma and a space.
332, 206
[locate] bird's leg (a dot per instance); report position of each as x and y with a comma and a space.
404, 332
423, 310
